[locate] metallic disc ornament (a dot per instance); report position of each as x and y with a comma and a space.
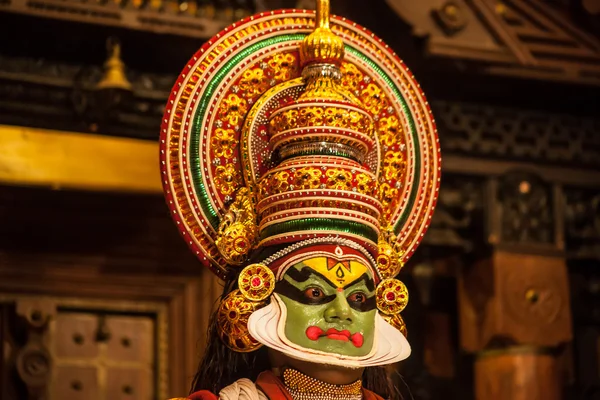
220, 136
232, 319
256, 282
391, 296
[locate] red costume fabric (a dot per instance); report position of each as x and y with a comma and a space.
203, 395
273, 388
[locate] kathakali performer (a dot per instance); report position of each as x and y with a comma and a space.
300, 162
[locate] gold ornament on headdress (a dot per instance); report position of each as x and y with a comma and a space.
238, 232
321, 55
322, 45
389, 262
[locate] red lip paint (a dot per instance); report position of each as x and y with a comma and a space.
314, 333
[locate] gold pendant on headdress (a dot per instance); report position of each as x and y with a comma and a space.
238, 232
389, 261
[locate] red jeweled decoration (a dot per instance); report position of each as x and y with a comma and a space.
392, 296
256, 282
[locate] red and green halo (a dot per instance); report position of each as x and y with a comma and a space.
202, 149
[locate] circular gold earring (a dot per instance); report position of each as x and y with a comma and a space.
256, 284
391, 296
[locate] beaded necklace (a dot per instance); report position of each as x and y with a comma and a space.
303, 387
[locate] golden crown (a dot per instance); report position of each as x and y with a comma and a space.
290, 126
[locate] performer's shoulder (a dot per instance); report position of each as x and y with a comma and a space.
200, 395
368, 395
242, 389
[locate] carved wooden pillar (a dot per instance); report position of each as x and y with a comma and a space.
514, 300
34, 361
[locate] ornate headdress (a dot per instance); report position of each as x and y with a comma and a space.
299, 134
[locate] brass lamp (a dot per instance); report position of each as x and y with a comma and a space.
114, 87
99, 104
114, 69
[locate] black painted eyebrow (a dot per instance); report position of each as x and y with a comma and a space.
304, 274
369, 283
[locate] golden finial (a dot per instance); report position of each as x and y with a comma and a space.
322, 45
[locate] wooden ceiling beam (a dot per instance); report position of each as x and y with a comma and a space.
69, 160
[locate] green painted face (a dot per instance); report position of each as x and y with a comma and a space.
330, 306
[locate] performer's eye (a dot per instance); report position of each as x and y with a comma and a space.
314, 293
357, 298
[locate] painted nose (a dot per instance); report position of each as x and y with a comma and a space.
339, 310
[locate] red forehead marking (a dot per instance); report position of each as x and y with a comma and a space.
340, 289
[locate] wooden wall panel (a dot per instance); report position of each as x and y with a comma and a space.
522, 375
114, 251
